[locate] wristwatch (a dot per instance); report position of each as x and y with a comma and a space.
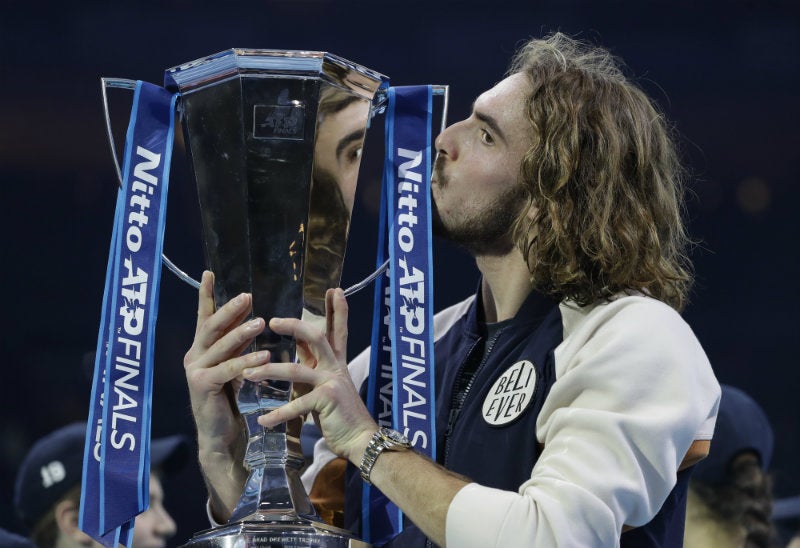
384, 439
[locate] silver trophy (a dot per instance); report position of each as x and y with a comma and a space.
275, 140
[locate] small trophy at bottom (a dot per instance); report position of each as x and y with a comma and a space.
275, 140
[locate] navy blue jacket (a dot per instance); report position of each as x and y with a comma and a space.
503, 456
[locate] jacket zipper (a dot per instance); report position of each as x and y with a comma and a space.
455, 410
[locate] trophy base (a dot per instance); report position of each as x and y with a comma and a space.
261, 534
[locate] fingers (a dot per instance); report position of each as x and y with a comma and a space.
313, 346
315, 341
220, 334
294, 372
214, 325
336, 312
295, 408
205, 305
212, 345
231, 314
234, 367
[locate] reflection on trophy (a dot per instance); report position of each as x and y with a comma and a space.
275, 139
341, 119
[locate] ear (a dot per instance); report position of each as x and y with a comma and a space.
66, 513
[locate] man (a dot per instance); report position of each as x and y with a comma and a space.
48, 489
565, 186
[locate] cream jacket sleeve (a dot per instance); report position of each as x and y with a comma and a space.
633, 390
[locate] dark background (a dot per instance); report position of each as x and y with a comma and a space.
726, 73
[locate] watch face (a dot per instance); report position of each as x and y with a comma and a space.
395, 436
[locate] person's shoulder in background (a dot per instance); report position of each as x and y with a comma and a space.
786, 515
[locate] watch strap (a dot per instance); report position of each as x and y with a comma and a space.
382, 439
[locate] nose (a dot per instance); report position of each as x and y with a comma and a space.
446, 143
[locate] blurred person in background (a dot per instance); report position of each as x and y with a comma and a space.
47, 491
730, 500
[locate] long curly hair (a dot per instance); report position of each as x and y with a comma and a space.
743, 502
603, 179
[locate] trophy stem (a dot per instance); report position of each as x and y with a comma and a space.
273, 491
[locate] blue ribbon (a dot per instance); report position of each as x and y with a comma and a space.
400, 390
116, 466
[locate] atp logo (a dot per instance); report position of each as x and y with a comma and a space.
132, 305
412, 304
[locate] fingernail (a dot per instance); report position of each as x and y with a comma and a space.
276, 321
254, 324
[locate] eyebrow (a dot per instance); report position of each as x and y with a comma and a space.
491, 122
356, 135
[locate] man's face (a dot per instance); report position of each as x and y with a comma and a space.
475, 187
155, 526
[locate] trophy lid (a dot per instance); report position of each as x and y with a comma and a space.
234, 62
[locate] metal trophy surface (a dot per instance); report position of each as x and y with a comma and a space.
275, 140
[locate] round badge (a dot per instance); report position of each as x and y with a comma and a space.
511, 394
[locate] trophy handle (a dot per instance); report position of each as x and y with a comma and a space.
125, 83
355, 288
444, 91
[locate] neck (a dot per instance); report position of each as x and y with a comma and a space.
506, 284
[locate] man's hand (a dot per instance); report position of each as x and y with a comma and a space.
322, 379
419, 486
213, 368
